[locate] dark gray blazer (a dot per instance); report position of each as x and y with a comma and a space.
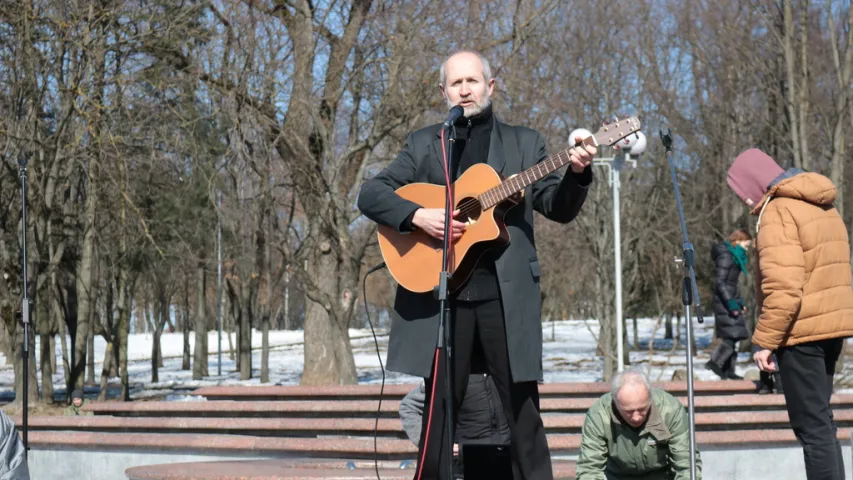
414, 322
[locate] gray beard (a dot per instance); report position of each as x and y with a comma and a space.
473, 110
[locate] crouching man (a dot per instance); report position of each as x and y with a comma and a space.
635, 432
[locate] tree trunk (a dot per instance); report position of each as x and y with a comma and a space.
287, 297
667, 330
105, 371
205, 358
791, 81
264, 255
123, 330
124, 285
159, 324
164, 314
66, 361
265, 349
185, 327
114, 366
245, 338
90, 356
43, 320
19, 366
200, 364
46, 370
677, 330
6, 343
86, 266
328, 353
52, 343
636, 334
607, 343
155, 354
229, 331
843, 62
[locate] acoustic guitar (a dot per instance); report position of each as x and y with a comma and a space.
483, 197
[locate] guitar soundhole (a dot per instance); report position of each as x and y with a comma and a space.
469, 210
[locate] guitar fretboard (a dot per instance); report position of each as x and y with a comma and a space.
517, 183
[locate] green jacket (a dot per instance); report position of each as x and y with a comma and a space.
612, 449
72, 411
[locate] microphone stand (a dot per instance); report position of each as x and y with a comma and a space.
25, 302
689, 292
445, 338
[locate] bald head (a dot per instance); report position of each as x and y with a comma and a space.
466, 80
631, 396
468, 56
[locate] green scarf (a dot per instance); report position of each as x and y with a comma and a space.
739, 253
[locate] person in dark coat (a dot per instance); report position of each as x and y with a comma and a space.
729, 262
498, 311
480, 419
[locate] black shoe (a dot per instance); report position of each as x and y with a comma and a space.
777, 380
765, 382
731, 375
711, 365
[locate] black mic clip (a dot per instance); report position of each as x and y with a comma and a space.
454, 115
666, 138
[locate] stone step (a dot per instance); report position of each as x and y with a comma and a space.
290, 470
337, 448
363, 392
329, 408
349, 427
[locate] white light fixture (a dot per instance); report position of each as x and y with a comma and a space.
578, 132
639, 144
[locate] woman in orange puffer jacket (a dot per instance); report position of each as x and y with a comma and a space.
805, 296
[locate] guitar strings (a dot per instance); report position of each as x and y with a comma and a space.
474, 203
471, 205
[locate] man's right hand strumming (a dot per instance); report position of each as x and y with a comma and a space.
431, 221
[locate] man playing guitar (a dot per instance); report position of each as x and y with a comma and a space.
496, 312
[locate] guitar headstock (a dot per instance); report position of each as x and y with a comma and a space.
610, 133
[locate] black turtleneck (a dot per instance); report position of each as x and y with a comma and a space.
473, 136
471, 147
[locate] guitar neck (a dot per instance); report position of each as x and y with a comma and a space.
517, 183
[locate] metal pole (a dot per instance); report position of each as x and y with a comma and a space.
219, 279
690, 411
617, 254
689, 295
25, 304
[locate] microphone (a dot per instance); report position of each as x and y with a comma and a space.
454, 115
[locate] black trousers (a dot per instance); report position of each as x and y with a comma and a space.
807, 370
478, 330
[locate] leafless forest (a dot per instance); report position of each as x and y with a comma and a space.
147, 123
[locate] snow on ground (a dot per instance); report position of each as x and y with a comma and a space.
569, 356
